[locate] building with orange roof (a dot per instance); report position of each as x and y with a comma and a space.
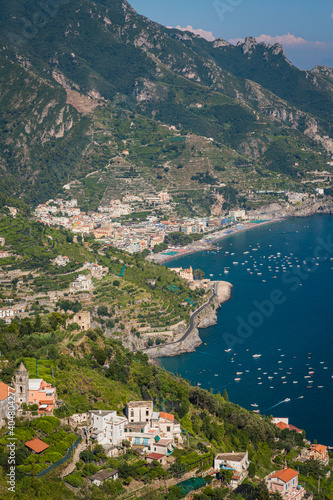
37, 445
282, 426
7, 395
319, 452
285, 482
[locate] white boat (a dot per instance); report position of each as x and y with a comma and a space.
237, 379
235, 263
255, 405
256, 356
227, 350
239, 373
286, 400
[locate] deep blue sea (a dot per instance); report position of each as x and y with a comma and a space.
281, 309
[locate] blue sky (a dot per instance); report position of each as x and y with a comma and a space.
306, 26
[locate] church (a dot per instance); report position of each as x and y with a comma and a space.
33, 391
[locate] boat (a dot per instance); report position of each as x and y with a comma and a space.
237, 379
198, 383
216, 374
320, 386
256, 411
235, 263
286, 400
239, 373
256, 356
295, 381
211, 275
255, 405
227, 350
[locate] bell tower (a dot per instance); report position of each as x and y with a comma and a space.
21, 385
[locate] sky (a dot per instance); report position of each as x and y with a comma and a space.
303, 27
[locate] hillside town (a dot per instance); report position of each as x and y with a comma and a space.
152, 435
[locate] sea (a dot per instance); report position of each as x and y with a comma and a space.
272, 346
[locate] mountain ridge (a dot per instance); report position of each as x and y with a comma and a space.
106, 56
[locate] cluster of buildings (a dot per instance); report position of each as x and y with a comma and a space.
26, 391
132, 237
154, 434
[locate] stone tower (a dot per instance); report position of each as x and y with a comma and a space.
21, 385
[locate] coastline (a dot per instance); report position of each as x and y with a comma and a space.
202, 318
208, 242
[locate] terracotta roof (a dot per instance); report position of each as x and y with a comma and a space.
282, 425
155, 456
36, 445
319, 447
293, 428
285, 475
167, 415
5, 390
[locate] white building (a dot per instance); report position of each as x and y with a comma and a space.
108, 427
237, 214
82, 283
139, 411
237, 462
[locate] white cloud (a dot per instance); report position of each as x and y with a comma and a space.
332, 15
208, 35
288, 41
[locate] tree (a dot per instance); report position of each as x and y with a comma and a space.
225, 395
252, 470
226, 475
198, 274
262, 492
102, 311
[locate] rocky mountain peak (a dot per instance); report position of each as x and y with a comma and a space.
249, 44
219, 42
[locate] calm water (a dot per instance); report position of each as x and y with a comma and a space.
286, 311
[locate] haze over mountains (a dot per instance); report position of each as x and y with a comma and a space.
81, 82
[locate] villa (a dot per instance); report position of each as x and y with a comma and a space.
285, 482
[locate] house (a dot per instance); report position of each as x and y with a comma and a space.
166, 424
42, 394
61, 260
81, 284
186, 274
140, 436
108, 427
83, 319
319, 452
161, 459
37, 445
139, 411
283, 423
163, 446
285, 482
237, 462
7, 399
104, 475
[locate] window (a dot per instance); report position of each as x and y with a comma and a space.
32, 394
147, 412
168, 429
141, 430
21, 389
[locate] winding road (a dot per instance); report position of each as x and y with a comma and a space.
191, 325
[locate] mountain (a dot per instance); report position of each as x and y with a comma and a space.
84, 81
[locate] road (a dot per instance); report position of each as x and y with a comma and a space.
191, 326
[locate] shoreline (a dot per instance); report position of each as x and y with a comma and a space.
190, 340
211, 243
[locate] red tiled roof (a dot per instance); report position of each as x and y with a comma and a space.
319, 447
167, 415
293, 428
36, 445
155, 456
285, 475
5, 391
282, 425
